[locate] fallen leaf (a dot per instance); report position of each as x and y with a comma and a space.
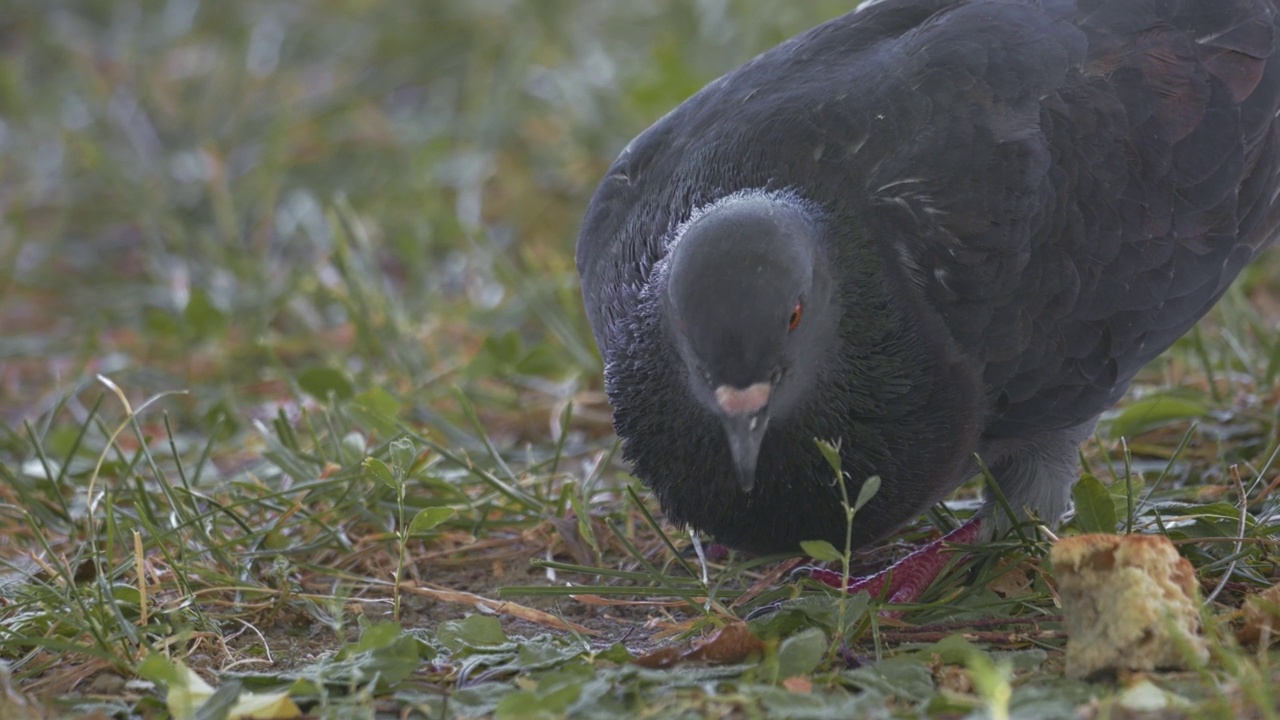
730, 644
1013, 582
801, 685
663, 657
1261, 617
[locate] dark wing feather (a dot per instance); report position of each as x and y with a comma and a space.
1068, 185
1157, 209
845, 113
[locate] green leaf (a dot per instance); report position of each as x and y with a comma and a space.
379, 400
504, 348
321, 382
1157, 410
474, 632
1059, 698
992, 680
821, 611
543, 361
185, 701
219, 705
479, 700
160, 670
524, 704
385, 654
617, 653
954, 649
831, 453
403, 455
202, 317
382, 471
820, 704
546, 652
1095, 510
801, 653
377, 409
821, 550
557, 690
906, 677
375, 637
586, 530
429, 518
161, 323
869, 488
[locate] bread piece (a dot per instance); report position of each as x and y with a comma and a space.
1128, 602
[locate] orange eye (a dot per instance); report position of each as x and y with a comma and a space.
796, 314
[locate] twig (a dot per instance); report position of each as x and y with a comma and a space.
767, 581
500, 607
984, 623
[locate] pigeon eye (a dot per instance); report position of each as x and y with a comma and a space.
796, 313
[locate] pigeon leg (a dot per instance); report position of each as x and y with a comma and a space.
907, 579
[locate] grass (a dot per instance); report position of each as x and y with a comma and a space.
296, 391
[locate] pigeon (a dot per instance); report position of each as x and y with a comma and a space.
941, 235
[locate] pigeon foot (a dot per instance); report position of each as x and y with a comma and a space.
906, 580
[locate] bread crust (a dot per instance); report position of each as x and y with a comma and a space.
1129, 602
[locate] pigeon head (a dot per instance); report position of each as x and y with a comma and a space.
747, 298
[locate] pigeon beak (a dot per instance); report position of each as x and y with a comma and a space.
745, 434
746, 417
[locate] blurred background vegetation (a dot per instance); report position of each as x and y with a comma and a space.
212, 196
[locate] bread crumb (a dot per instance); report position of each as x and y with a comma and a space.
1129, 602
